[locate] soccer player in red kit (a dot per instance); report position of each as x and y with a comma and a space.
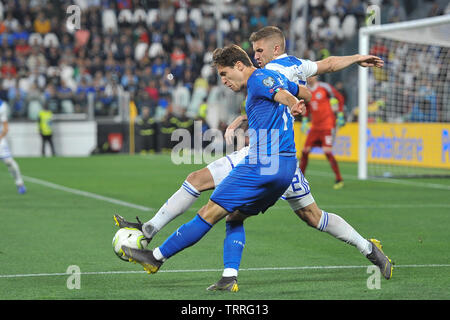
325, 104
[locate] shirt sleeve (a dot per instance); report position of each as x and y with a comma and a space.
309, 67
292, 87
266, 85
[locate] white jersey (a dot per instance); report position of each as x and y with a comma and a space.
4, 148
295, 69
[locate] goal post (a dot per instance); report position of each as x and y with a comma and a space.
404, 108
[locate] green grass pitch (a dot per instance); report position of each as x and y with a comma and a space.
65, 219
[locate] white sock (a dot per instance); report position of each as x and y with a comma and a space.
177, 204
229, 272
158, 255
340, 229
13, 168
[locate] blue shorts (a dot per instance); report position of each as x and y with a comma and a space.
251, 189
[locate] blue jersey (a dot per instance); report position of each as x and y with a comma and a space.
270, 123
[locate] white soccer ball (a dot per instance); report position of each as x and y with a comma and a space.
130, 237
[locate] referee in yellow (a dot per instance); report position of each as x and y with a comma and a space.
45, 128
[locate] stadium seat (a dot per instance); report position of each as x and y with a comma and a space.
181, 15
224, 26
140, 50
334, 22
155, 50
315, 24
125, 15
330, 5
152, 16
349, 26
139, 16
196, 16
50, 40
109, 20
35, 39
299, 26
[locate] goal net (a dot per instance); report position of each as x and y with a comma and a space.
404, 107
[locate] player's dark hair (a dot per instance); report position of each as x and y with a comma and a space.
229, 55
268, 32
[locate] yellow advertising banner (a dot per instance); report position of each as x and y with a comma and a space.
416, 144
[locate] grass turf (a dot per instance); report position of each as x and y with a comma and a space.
47, 230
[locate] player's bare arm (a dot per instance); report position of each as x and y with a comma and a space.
4, 130
295, 105
304, 93
335, 63
236, 123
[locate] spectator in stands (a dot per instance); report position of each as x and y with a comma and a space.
8, 68
396, 13
66, 97
36, 60
158, 67
42, 24
111, 94
17, 100
129, 80
163, 41
425, 107
52, 98
146, 128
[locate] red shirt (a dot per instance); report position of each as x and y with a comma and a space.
319, 108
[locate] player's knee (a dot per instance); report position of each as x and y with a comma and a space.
212, 213
328, 153
8, 161
236, 216
202, 180
194, 178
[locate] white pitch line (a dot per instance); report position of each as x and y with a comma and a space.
86, 194
385, 206
219, 270
384, 180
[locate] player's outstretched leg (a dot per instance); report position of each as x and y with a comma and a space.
144, 257
185, 236
340, 229
378, 258
195, 183
176, 205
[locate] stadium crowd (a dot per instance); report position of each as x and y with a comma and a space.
158, 52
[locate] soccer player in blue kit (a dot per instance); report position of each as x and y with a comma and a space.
258, 181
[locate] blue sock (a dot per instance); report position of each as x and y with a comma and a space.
233, 245
185, 236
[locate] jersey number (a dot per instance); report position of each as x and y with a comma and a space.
296, 186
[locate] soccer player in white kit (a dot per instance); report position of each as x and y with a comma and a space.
269, 46
5, 153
